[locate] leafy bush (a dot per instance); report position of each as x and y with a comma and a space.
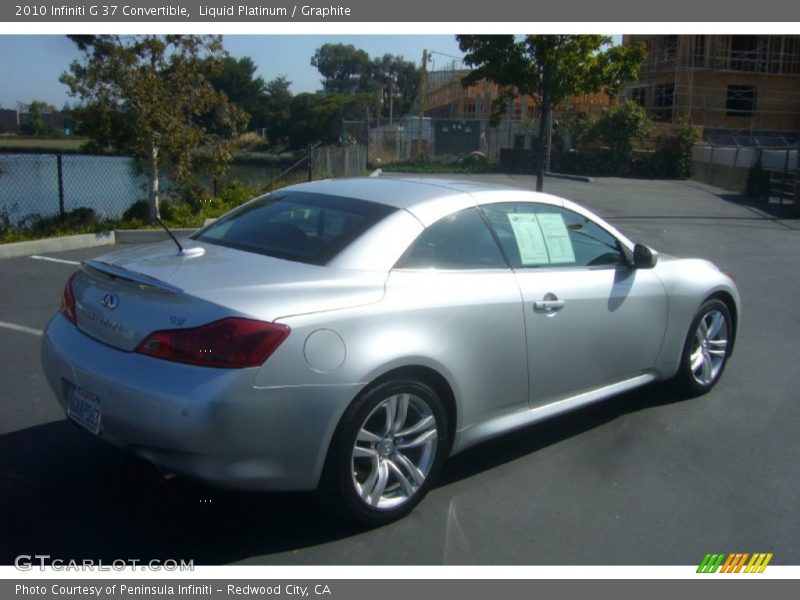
6, 222
684, 141
31, 226
236, 193
138, 211
617, 125
80, 219
671, 159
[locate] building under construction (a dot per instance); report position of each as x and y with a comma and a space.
742, 91
447, 98
736, 84
461, 116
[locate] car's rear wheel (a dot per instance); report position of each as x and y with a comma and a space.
706, 349
386, 452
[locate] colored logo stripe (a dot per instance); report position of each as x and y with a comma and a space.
710, 563
735, 562
760, 562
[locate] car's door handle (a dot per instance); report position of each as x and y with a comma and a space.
548, 305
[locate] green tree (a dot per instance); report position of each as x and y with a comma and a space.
549, 68
36, 123
318, 118
278, 110
238, 80
151, 96
344, 68
397, 80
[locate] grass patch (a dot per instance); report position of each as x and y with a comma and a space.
42, 144
470, 164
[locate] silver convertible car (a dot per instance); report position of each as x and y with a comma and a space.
349, 335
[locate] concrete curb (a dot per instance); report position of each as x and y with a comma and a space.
582, 178
59, 244
146, 236
89, 240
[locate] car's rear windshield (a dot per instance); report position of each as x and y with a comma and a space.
299, 226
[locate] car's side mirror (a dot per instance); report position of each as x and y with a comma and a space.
644, 257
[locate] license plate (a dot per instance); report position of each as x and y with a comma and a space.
84, 409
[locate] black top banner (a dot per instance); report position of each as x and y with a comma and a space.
472, 11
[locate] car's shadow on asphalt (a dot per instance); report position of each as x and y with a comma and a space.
70, 496
514, 445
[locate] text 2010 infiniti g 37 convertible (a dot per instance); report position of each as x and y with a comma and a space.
349, 335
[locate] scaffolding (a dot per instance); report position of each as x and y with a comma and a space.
741, 91
728, 84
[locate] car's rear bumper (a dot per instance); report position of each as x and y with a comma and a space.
206, 423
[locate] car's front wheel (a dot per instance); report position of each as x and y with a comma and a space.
386, 452
706, 349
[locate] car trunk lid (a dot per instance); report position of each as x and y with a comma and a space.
124, 296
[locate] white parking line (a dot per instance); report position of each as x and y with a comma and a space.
56, 260
22, 328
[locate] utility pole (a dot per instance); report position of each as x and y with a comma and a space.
423, 88
366, 107
549, 141
391, 101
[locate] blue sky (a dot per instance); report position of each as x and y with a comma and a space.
30, 64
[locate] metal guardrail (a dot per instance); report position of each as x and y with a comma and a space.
729, 166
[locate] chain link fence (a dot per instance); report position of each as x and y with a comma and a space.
34, 186
349, 160
410, 139
46, 185
42, 186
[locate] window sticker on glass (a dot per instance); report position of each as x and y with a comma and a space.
556, 236
531, 244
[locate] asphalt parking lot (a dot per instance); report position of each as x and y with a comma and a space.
646, 478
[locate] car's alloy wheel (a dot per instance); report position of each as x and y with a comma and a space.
709, 348
706, 349
394, 451
386, 452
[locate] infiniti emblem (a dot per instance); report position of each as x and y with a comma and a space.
109, 300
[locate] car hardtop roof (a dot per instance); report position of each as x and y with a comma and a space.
407, 192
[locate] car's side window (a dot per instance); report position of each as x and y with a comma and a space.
458, 241
542, 235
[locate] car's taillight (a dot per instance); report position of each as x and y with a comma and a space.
230, 343
68, 301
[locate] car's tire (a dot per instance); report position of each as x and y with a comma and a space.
386, 452
706, 349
